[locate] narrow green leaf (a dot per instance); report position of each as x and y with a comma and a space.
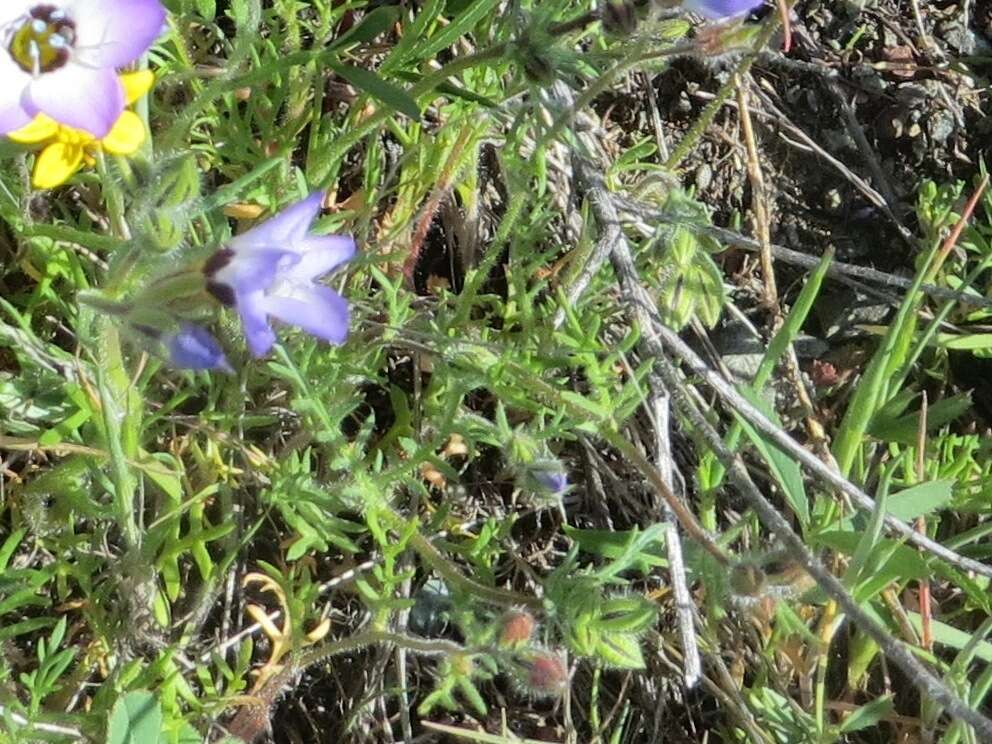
612, 544
374, 23
392, 95
969, 342
904, 429
9, 546
621, 651
787, 472
868, 715
460, 26
920, 500
710, 471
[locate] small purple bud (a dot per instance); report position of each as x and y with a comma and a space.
554, 482
548, 478
191, 347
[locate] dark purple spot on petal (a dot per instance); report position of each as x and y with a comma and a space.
44, 39
218, 261
224, 294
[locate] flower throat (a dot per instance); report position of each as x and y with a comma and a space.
44, 39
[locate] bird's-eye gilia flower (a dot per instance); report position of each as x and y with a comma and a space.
65, 150
59, 58
192, 347
721, 10
271, 270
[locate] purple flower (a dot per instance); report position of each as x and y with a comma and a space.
191, 347
58, 57
718, 10
549, 478
270, 271
554, 482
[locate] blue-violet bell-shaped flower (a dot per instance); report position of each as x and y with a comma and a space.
271, 270
721, 10
192, 347
59, 57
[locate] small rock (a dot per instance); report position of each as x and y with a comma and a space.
868, 78
956, 36
739, 348
889, 38
704, 177
940, 126
891, 126
843, 310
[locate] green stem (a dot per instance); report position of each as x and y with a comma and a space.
481, 272
120, 402
120, 407
452, 574
413, 644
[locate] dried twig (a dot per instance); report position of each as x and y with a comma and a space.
641, 304
894, 649
642, 212
44, 728
673, 543
817, 468
590, 181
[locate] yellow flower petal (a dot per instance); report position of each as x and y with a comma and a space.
74, 137
38, 129
126, 135
137, 84
56, 164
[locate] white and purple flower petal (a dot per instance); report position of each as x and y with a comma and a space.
115, 32
719, 10
90, 99
322, 254
315, 309
254, 320
245, 270
11, 10
288, 228
58, 57
269, 271
12, 112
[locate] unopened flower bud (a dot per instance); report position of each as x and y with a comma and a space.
618, 16
546, 479
191, 347
545, 674
516, 628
